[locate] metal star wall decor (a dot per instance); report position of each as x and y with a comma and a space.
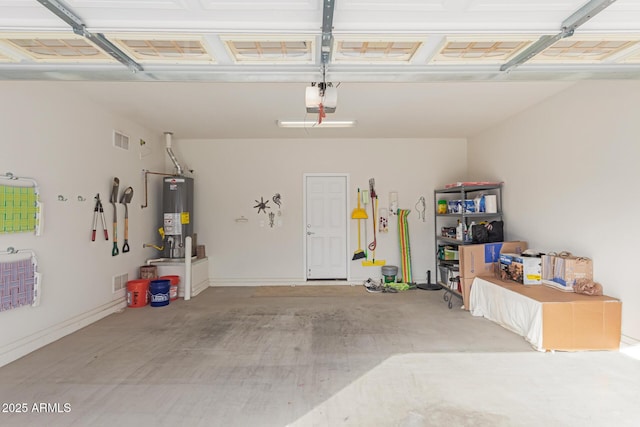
262, 205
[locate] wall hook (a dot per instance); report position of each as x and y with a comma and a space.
81, 199
61, 198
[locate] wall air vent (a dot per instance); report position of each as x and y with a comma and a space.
120, 140
120, 282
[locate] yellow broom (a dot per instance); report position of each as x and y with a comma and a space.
359, 213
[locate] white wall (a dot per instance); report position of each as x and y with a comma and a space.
230, 175
64, 142
570, 166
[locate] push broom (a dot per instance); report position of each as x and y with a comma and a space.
359, 213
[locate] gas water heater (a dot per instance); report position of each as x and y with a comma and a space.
177, 208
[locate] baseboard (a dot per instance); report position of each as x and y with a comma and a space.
199, 287
629, 341
221, 282
26, 345
630, 346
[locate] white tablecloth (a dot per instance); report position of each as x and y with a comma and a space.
511, 310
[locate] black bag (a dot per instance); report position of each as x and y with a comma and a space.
479, 233
488, 233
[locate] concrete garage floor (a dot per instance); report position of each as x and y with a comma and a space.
314, 356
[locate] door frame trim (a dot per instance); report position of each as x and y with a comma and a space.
304, 218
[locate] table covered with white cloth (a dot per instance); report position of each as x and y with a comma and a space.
547, 318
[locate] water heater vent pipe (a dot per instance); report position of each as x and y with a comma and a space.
167, 137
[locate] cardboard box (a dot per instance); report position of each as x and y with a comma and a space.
522, 269
562, 271
577, 325
573, 322
466, 292
478, 260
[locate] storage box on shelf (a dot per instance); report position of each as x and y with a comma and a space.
465, 205
451, 254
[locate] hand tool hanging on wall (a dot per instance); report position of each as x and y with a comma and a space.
359, 213
114, 201
98, 210
421, 207
374, 244
125, 199
366, 199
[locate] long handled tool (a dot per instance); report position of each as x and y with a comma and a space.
125, 199
98, 210
114, 200
366, 199
359, 213
372, 245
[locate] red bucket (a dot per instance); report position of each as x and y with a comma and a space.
174, 282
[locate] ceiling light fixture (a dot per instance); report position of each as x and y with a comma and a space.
312, 124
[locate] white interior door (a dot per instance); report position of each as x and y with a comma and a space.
326, 227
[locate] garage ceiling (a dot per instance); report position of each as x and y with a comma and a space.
409, 68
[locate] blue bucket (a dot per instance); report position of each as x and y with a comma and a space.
159, 292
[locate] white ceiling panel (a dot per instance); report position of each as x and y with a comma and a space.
429, 67
365, 6
455, 15
249, 5
542, 6
127, 4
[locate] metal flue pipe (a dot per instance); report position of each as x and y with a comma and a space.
167, 138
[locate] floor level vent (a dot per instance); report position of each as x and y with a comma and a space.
120, 282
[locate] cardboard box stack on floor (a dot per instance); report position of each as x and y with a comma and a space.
479, 260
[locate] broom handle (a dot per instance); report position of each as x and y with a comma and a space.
359, 219
374, 208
